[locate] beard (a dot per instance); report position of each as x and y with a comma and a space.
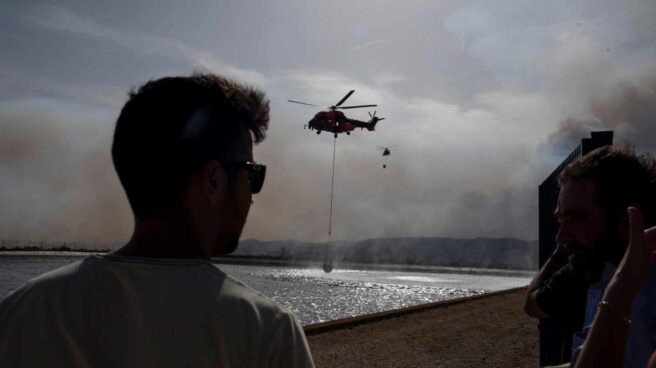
589, 261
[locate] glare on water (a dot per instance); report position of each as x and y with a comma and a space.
316, 296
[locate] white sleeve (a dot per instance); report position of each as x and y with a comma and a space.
288, 346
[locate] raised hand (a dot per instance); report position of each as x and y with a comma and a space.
605, 345
635, 267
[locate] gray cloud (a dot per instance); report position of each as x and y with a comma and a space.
64, 20
482, 102
57, 178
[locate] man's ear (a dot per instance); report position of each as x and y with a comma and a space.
213, 181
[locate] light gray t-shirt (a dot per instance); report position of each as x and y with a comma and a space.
112, 311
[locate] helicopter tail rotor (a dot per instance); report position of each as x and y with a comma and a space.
371, 126
374, 116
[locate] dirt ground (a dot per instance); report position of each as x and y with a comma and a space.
486, 332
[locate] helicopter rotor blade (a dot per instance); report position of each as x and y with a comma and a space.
303, 103
345, 97
355, 107
369, 112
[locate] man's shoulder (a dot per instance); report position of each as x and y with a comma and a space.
33, 293
236, 291
51, 279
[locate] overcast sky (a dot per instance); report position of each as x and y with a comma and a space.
482, 99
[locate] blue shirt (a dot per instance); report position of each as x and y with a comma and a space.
642, 332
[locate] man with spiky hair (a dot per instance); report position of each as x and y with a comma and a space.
595, 192
183, 153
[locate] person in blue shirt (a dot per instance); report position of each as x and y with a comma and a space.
606, 344
593, 234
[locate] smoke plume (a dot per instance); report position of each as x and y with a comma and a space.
629, 109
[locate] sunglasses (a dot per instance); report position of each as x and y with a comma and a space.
256, 173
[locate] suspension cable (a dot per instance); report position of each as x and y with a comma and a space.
332, 185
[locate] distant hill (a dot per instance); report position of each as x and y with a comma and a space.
479, 252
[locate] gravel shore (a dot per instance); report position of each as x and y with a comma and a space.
491, 331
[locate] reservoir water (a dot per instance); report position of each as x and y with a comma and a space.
316, 296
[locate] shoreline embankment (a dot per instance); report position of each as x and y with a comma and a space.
484, 330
